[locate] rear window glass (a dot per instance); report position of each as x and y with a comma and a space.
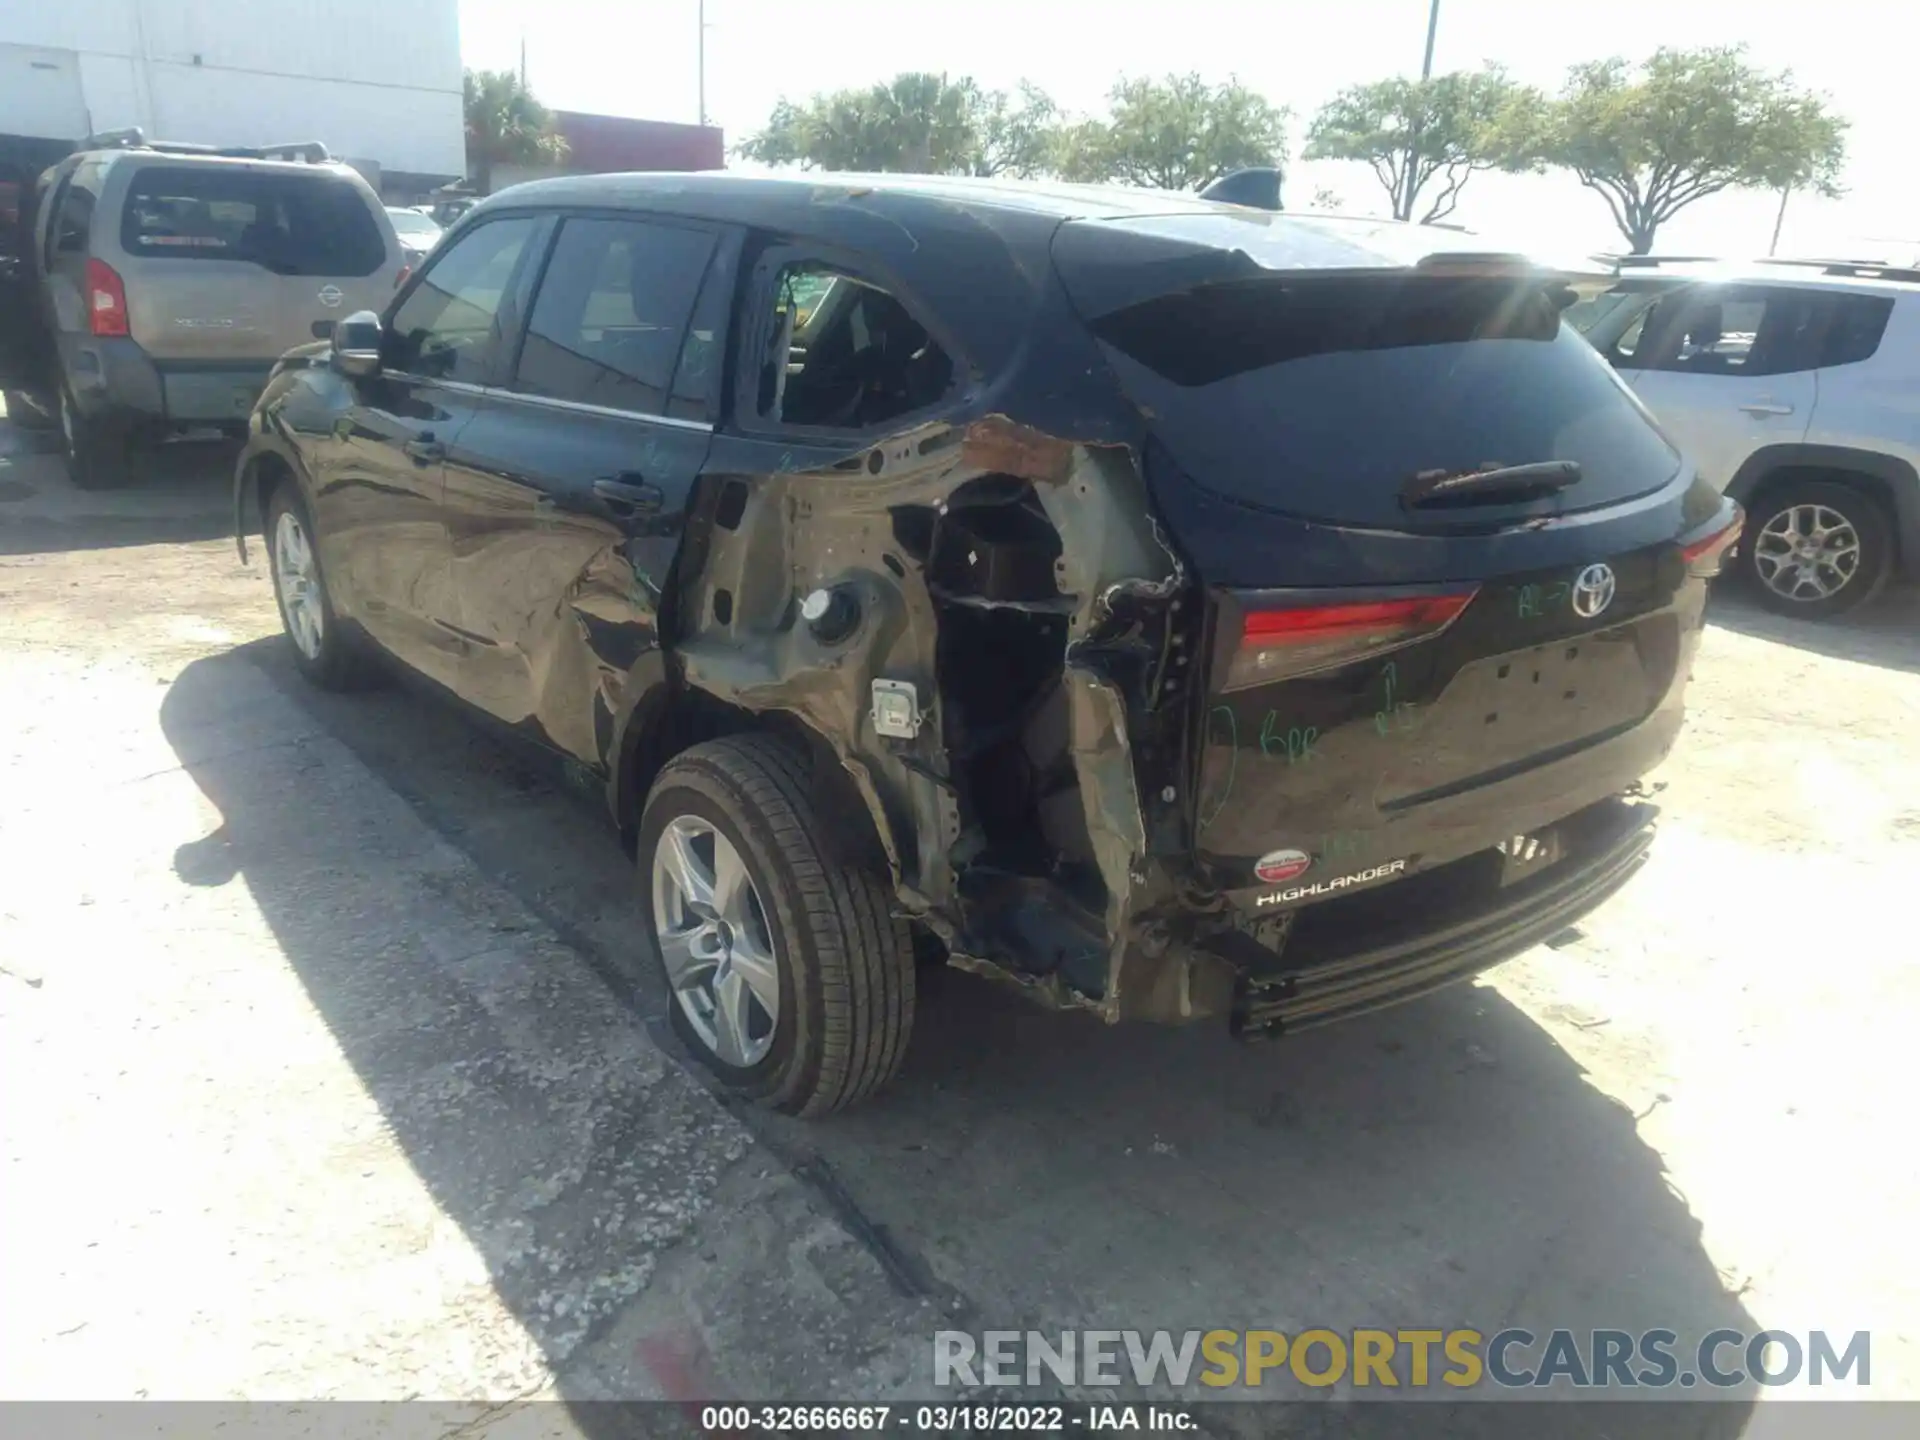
287, 223
1325, 397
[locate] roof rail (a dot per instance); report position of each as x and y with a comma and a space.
1644, 262
134, 138
1856, 269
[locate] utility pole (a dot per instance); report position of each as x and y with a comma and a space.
701, 60
1413, 138
1779, 220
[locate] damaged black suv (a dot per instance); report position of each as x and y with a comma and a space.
1176, 609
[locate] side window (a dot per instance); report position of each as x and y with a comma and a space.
844, 354
73, 220
1854, 326
1738, 331
703, 352
446, 329
607, 325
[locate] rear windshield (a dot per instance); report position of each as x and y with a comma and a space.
290, 224
1323, 397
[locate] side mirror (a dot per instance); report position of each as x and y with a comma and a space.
356, 345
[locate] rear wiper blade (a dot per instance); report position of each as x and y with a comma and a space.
1485, 487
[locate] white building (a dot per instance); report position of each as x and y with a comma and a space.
377, 81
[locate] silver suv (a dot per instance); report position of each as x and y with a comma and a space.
167, 279
1790, 384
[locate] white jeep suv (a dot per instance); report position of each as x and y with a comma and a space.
1794, 386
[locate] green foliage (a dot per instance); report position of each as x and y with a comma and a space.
918, 123
1179, 133
506, 126
1414, 132
1012, 134
1685, 125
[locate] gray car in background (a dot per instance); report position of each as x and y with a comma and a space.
165, 281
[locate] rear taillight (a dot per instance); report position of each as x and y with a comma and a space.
106, 300
401, 278
1280, 644
1703, 553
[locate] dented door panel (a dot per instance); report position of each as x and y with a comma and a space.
563, 523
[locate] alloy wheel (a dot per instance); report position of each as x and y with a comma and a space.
1807, 553
300, 595
715, 941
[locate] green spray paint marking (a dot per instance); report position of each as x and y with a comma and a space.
1296, 742
1394, 713
1233, 761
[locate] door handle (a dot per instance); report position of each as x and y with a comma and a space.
1766, 407
629, 495
425, 449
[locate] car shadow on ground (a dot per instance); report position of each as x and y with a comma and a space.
1884, 632
1442, 1165
181, 491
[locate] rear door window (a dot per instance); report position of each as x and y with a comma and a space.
1324, 397
448, 326
1736, 330
289, 224
844, 354
608, 323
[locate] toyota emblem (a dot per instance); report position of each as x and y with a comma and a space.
331, 296
1593, 591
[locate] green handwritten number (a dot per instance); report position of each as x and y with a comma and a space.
1394, 713
1534, 603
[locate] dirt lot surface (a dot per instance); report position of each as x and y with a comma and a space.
335, 1062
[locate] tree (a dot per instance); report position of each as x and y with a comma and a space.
1688, 124
506, 126
918, 122
1179, 133
1412, 132
1012, 134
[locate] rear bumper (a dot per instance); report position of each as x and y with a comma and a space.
115, 382
1437, 946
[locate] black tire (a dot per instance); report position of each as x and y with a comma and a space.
28, 412
98, 456
844, 958
339, 660
1759, 550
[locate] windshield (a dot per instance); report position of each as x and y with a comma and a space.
414, 225
1325, 397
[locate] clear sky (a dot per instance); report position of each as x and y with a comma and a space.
637, 57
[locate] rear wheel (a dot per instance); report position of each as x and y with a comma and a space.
98, 457
1816, 549
792, 980
325, 652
